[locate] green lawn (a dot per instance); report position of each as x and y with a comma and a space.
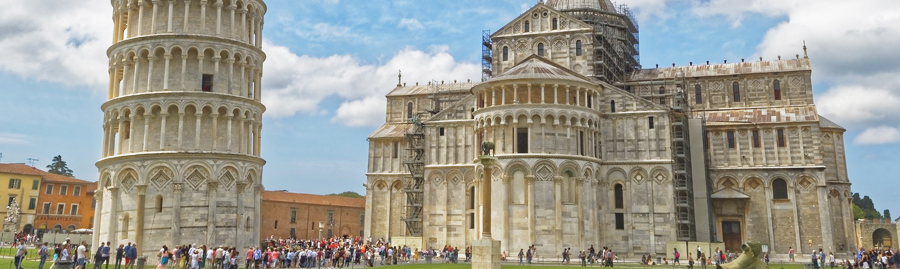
549, 266
32, 262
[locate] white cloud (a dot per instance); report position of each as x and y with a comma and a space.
852, 48
58, 41
297, 84
410, 24
856, 105
878, 135
327, 32
645, 9
13, 139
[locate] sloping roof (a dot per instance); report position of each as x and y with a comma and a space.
729, 193
537, 67
826, 123
705, 70
456, 87
22, 169
313, 199
391, 130
564, 5
760, 115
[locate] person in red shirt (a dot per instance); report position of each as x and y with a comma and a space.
249, 257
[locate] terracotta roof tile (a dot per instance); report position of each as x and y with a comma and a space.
303, 198
391, 130
761, 115
785, 65
22, 169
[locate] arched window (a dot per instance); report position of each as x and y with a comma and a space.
698, 97
540, 49
409, 111
276, 224
57, 228
736, 91
779, 189
555, 23
620, 199
505, 53
126, 221
159, 203
662, 90
577, 47
777, 86
612, 106
527, 27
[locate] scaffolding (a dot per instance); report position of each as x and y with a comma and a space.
487, 55
415, 189
681, 154
615, 40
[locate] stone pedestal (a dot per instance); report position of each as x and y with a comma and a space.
486, 254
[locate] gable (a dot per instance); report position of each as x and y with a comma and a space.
456, 111
540, 18
626, 101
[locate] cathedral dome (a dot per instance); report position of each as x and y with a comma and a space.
566, 5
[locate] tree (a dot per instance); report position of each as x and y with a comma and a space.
59, 167
348, 194
887, 214
858, 213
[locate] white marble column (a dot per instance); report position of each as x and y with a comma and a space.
162, 130
166, 72
150, 60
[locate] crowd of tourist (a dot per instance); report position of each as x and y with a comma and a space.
341, 252
337, 252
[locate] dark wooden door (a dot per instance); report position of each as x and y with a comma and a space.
731, 236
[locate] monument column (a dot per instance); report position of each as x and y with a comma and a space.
98, 197
177, 188
486, 251
139, 227
113, 219
211, 213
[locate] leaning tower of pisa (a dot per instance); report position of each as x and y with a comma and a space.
180, 159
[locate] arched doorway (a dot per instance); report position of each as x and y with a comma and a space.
882, 238
27, 229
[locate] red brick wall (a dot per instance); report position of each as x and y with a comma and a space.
346, 220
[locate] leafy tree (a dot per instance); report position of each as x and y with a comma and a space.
866, 206
887, 214
858, 213
350, 194
59, 167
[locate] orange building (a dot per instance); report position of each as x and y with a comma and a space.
66, 204
298, 215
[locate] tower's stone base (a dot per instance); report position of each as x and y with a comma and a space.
486, 254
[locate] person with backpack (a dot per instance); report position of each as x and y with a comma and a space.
677, 257
43, 254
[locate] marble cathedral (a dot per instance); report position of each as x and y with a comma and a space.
593, 149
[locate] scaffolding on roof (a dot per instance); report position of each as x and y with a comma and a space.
487, 55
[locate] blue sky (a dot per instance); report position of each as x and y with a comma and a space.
330, 62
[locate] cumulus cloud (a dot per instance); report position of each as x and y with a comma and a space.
645, 9
58, 41
878, 135
410, 24
851, 48
298, 84
857, 105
